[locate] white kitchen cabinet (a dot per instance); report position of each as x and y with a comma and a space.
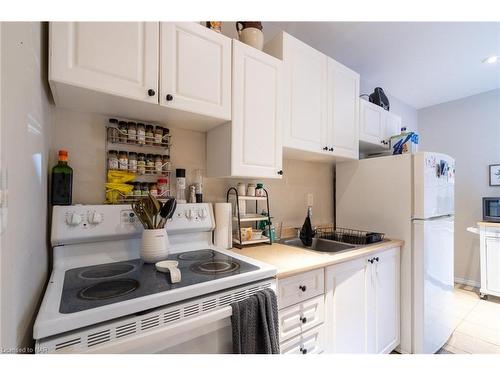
299, 318
363, 304
321, 106
377, 126
295, 289
251, 144
347, 304
127, 69
309, 342
117, 58
195, 69
343, 111
385, 280
490, 259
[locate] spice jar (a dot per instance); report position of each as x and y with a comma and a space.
259, 191
141, 163
162, 186
167, 165
112, 159
165, 138
150, 134
137, 188
150, 164
132, 162
153, 190
144, 188
141, 133
132, 132
251, 190
158, 164
113, 130
123, 131
158, 135
123, 160
241, 189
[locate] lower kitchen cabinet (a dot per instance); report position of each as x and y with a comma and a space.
298, 318
363, 304
310, 342
490, 260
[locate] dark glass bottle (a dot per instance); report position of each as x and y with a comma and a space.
62, 181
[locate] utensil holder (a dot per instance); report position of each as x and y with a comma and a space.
154, 245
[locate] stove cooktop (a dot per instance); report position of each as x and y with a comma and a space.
94, 286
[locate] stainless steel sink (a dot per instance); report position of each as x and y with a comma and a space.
320, 244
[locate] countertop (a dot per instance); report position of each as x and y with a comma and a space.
488, 224
290, 260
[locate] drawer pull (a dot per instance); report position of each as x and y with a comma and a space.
303, 320
303, 350
303, 288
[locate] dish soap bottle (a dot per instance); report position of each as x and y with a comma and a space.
62, 181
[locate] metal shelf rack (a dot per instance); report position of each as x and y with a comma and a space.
118, 140
248, 218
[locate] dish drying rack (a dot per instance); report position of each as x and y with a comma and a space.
118, 140
254, 218
351, 236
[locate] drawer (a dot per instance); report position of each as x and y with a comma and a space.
309, 342
301, 317
295, 289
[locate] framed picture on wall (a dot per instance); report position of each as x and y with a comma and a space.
495, 175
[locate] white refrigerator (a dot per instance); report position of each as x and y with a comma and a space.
409, 197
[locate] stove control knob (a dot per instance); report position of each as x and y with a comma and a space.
189, 214
203, 213
95, 218
73, 219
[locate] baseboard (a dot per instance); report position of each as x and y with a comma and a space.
473, 283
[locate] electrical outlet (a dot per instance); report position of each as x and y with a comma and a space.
310, 199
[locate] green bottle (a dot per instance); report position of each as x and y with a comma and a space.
62, 181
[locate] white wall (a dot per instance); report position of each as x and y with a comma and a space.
83, 135
26, 124
469, 130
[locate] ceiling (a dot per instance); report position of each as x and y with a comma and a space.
420, 63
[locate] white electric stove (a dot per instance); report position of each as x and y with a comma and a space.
102, 298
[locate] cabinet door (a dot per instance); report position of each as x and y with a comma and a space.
309, 342
392, 125
493, 264
343, 110
195, 68
119, 58
305, 113
299, 318
256, 133
372, 121
385, 276
347, 307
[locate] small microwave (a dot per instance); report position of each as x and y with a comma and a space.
491, 209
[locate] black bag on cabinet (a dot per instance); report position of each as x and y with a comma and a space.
379, 98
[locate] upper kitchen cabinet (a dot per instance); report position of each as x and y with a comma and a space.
181, 77
343, 110
320, 118
118, 58
251, 144
195, 70
377, 126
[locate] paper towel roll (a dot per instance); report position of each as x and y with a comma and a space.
223, 234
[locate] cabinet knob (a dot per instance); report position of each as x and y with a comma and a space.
169, 98
151, 92
370, 260
280, 172
303, 320
330, 149
325, 148
376, 258
303, 288
303, 350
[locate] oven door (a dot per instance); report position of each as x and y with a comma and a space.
491, 209
209, 333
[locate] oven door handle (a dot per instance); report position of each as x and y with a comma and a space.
169, 335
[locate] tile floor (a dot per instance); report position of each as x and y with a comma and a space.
478, 329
